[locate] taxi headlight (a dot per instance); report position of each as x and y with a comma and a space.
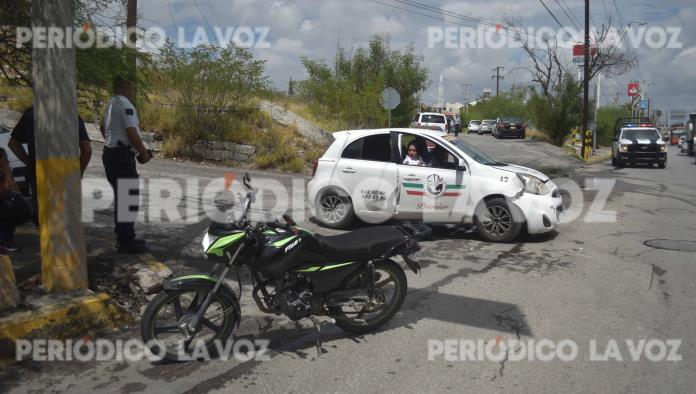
534, 185
663, 148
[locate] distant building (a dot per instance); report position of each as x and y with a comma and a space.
453, 107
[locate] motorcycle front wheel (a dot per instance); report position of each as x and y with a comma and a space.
390, 290
163, 325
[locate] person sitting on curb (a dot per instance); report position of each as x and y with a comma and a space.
14, 209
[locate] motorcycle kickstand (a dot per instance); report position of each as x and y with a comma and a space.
317, 327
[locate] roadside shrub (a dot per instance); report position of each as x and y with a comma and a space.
172, 145
606, 117
213, 86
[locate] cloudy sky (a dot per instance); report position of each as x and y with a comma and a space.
315, 27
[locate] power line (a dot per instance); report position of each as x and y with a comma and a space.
212, 9
171, 13
417, 13
552, 15
576, 21
445, 12
451, 14
568, 15
205, 20
622, 21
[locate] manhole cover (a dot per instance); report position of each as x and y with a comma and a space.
672, 244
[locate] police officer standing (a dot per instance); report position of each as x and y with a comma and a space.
122, 142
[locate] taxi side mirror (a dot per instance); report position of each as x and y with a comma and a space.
461, 165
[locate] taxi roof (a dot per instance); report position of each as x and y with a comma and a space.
425, 132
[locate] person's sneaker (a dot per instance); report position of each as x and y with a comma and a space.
10, 246
131, 247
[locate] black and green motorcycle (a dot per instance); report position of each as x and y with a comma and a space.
349, 277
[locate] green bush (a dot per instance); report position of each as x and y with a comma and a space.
349, 93
606, 117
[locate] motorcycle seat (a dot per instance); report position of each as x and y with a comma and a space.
363, 244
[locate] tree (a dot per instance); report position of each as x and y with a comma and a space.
555, 87
350, 91
209, 83
92, 63
513, 102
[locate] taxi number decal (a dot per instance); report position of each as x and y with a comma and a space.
503, 179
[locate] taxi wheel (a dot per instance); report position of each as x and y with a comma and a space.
496, 221
334, 210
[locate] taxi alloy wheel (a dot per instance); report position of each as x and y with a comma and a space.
496, 221
334, 210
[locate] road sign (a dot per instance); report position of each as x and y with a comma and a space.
579, 53
643, 103
633, 89
390, 98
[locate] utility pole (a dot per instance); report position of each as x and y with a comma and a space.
586, 78
466, 91
63, 260
497, 78
596, 112
131, 24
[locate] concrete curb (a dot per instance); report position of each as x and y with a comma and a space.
68, 317
597, 159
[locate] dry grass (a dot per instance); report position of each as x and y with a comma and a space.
300, 108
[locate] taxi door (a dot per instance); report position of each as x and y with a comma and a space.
436, 192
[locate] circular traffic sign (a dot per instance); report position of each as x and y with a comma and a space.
390, 98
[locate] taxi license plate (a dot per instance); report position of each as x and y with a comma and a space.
513, 127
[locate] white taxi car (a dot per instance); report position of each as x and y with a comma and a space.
361, 174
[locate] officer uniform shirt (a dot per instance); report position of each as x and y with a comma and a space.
120, 115
23, 133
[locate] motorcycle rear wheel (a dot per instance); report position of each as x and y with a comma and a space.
391, 286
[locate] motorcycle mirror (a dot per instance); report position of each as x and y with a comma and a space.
288, 219
247, 180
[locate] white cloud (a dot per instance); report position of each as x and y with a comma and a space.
314, 28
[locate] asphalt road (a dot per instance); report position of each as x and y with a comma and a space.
593, 280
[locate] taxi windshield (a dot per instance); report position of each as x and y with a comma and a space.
474, 153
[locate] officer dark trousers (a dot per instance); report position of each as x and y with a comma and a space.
119, 163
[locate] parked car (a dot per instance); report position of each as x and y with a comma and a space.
509, 126
676, 135
474, 126
486, 127
684, 145
430, 120
361, 175
18, 168
638, 145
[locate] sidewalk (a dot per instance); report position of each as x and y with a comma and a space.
600, 154
116, 296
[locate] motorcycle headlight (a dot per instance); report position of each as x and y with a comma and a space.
206, 241
534, 185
